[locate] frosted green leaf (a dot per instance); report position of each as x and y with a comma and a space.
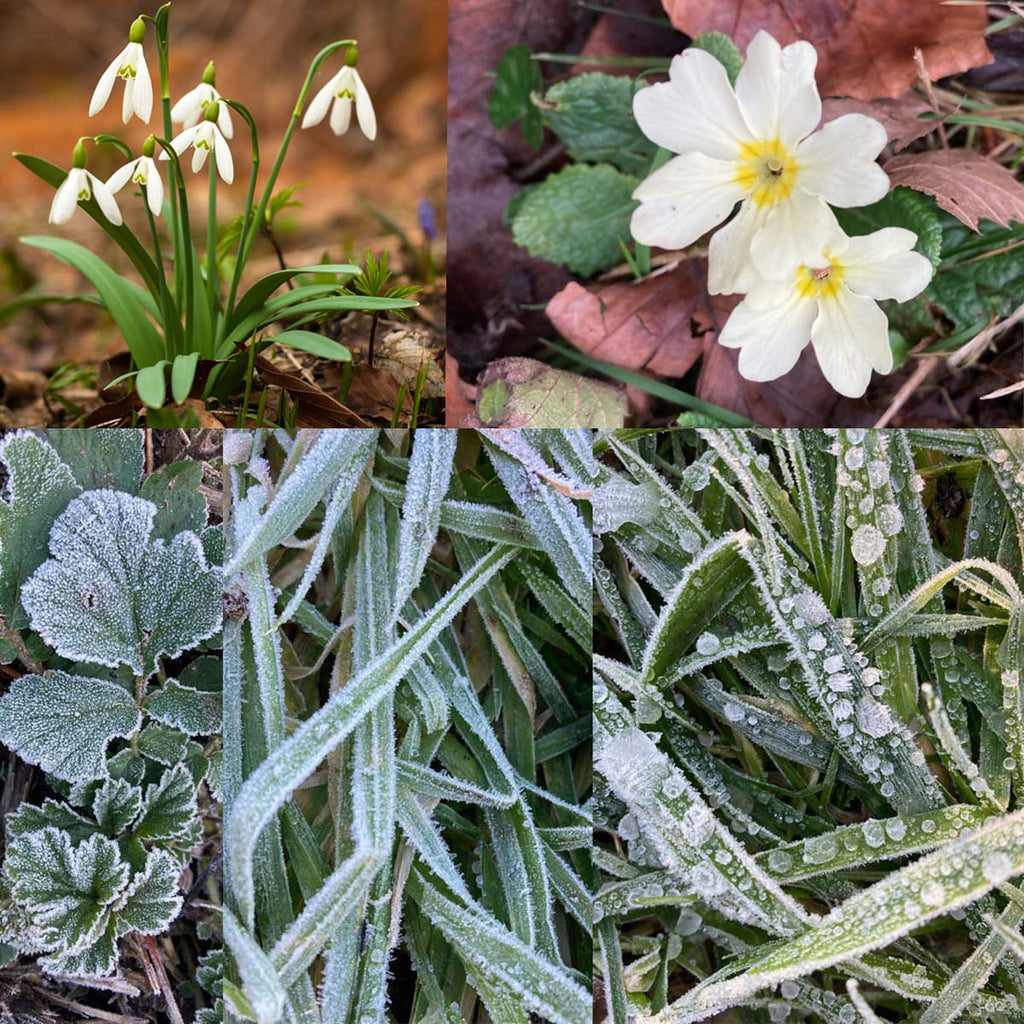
162, 744
195, 712
94, 961
116, 805
101, 458
111, 595
151, 902
28, 818
169, 808
175, 490
63, 723
65, 890
39, 487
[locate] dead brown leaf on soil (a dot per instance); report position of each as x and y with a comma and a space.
900, 117
865, 47
965, 183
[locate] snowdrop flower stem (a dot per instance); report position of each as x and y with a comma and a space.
249, 218
212, 281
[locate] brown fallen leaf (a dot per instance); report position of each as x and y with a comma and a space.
460, 396
316, 407
402, 352
518, 393
373, 394
899, 117
967, 184
865, 47
654, 325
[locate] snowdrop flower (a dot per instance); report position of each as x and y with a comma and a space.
206, 138
79, 186
344, 89
757, 145
191, 108
829, 302
129, 64
142, 171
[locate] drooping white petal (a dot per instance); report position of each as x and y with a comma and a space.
795, 232
122, 176
695, 110
128, 100
776, 90
106, 83
341, 115
883, 265
770, 327
181, 142
224, 122
143, 93
682, 200
65, 202
108, 204
838, 162
317, 110
189, 108
364, 109
154, 187
850, 337
199, 155
225, 164
730, 268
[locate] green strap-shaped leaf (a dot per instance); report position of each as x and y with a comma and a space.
63, 723
111, 595
266, 994
953, 876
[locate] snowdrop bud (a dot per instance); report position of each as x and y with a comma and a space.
352, 57
210, 74
79, 157
138, 30
213, 111
149, 146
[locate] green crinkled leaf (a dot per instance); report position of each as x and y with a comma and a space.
96, 960
39, 487
151, 902
578, 217
28, 818
723, 49
63, 723
162, 744
65, 890
169, 808
210, 972
901, 208
593, 115
174, 489
195, 712
112, 595
126, 764
116, 805
101, 458
516, 80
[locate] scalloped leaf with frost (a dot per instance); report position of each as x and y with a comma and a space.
111, 595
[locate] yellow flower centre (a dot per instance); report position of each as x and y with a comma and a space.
819, 282
767, 171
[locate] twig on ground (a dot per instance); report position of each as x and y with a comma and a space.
971, 350
910, 385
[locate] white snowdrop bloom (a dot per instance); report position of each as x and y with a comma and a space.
338, 95
129, 64
756, 145
206, 138
191, 108
142, 171
829, 302
79, 186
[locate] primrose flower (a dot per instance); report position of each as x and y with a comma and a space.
206, 138
829, 302
191, 108
79, 186
142, 171
339, 94
129, 64
756, 145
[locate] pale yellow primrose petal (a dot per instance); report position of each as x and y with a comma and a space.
850, 338
684, 199
794, 232
776, 91
696, 109
730, 268
883, 265
838, 163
